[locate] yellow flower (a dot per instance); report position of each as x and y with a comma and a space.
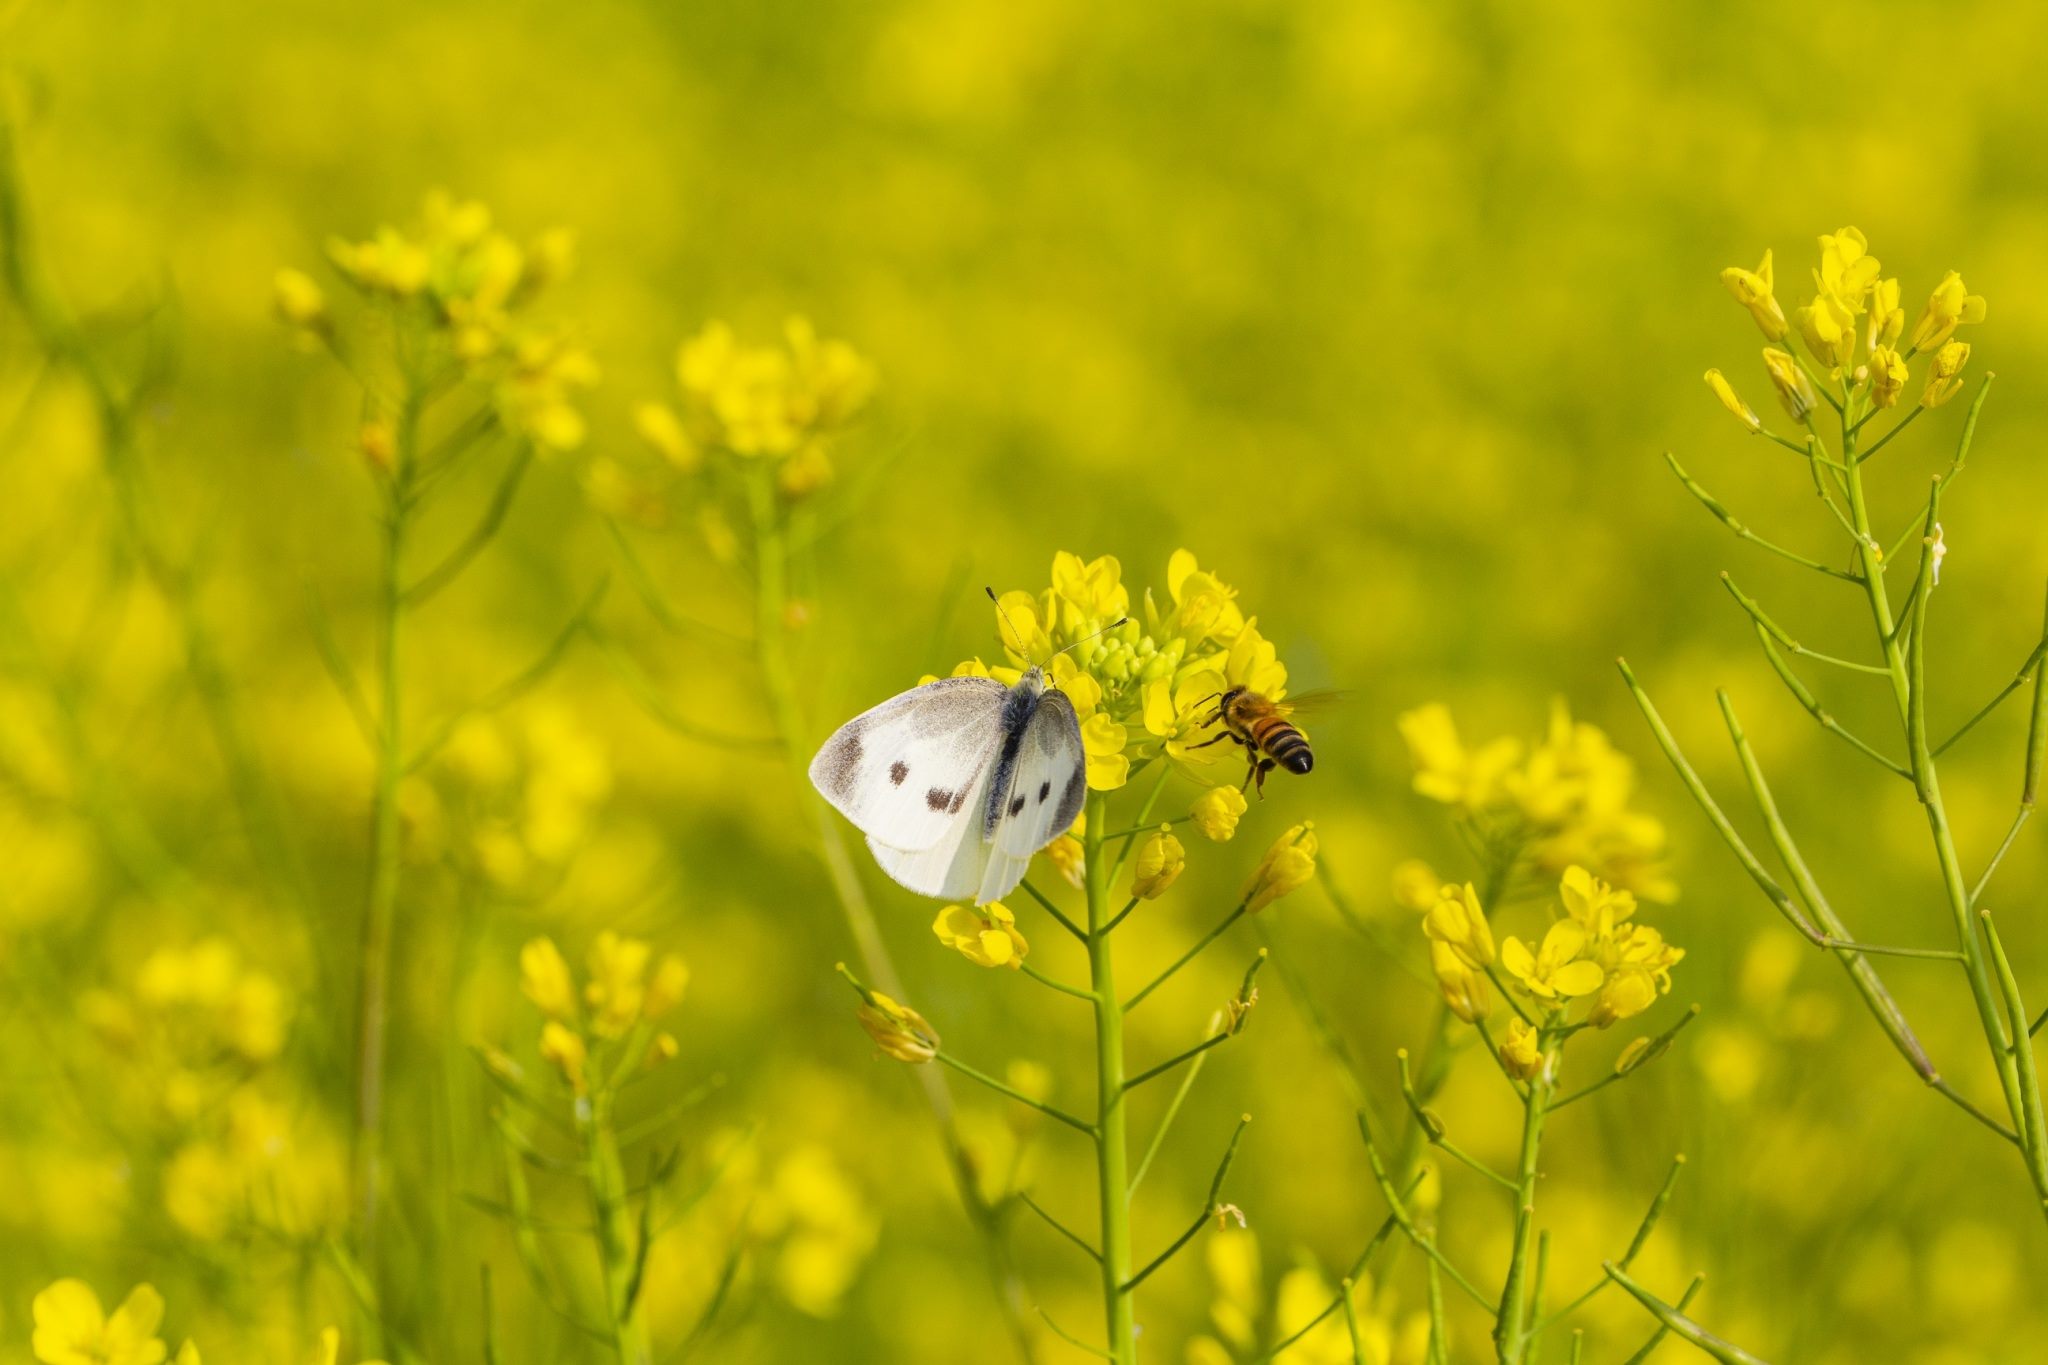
1887, 376
985, 935
1160, 860
1416, 885
898, 1030
1626, 993
1445, 770
1217, 811
1886, 318
1068, 858
616, 989
1464, 989
1103, 740
1847, 269
1289, 865
327, 1350
659, 426
1949, 305
665, 988
564, 1047
1794, 390
1741, 411
72, 1329
1093, 589
1598, 907
1944, 376
299, 301
1829, 329
1521, 1052
1752, 289
1555, 969
545, 980
1204, 606
1458, 922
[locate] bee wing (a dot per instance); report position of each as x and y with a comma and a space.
1317, 699
914, 771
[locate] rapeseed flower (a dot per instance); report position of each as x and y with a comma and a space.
986, 935
1741, 411
1950, 305
1289, 865
1458, 922
1159, 863
1753, 290
71, 1328
1944, 379
1556, 970
1217, 811
1521, 1050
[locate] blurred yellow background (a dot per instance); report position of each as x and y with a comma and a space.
1386, 311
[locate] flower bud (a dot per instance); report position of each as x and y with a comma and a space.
1159, 864
1950, 303
1741, 411
1887, 376
1217, 812
1459, 923
1289, 865
545, 980
299, 301
1794, 391
1520, 1051
1944, 376
564, 1047
1752, 289
1464, 989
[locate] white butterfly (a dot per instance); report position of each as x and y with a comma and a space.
957, 783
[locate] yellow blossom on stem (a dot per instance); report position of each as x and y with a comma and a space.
1949, 305
1944, 375
1464, 989
617, 987
545, 980
1102, 739
666, 986
299, 300
1741, 411
1795, 391
1445, 770
564, 1048
1289, 865
1217, 811
1847, 269
1829, 329
1598, 907
1068, 858
1886, 319
1555, 970
1753, 290
898, 1030
1521, 1050
1626, 993
72, 1329
985, 935
1159, 863
1458, 922
1888, 376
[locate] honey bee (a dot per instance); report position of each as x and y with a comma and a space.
1260, 725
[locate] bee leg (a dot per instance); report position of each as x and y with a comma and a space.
1218, 740
1264, 766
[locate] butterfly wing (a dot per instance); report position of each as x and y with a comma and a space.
1040, 798
913, 771
952, 868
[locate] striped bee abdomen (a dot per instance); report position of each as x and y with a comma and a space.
1283, 744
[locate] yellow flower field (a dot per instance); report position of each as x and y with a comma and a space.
460, 462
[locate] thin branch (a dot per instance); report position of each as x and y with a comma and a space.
1886, 439
1180, 1095
1076, 930
1659, 1045
1778, 633
1433, 1129
2019, 680
1000, 1088
1729, 519
1819, 713
1211, 1209
1187, 957
472, 545
641, 579
1635, 1247
1062, 987
656, 706
336, 664
1068, 1337
1057, 1226
1170, 1063
1388, 1226
1407, 1221
1679, 1324
1649, 1347
2034, 1123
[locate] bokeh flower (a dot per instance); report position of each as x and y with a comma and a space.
71, 1328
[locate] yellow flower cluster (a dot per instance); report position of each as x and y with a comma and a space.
1139, 688
1592, 950
520, 796
466, 287
624, 995
783, 403
1853, 329
73, 1328
986, 935
1560, 802
1239, 1308
194, 1019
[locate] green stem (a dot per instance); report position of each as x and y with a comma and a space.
373, 1000
1511, 1341
1112, 1114
613, 1216
1185, 958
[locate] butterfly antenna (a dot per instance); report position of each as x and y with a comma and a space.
1086, 638
1018, 635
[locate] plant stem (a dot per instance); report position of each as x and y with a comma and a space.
1511, 1342
1112, 1157
373, 1001
614, 1220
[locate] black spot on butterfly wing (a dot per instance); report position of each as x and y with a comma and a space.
938, 798
1044, 790
897, 772
1016, 805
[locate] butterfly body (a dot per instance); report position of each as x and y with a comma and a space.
959, 782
